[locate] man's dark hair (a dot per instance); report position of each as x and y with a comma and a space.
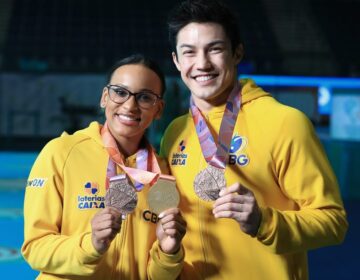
202, 11
139, 59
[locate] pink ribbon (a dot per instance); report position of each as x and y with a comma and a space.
216, 154
145, 160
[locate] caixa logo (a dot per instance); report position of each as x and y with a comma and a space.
90, 200
180, 157
236, 154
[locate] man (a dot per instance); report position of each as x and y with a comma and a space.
280, 197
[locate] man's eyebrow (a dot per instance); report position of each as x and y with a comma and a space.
186, 46
208, 45
216, 42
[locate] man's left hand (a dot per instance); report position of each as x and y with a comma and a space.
239, 203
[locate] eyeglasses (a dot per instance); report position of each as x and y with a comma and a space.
144, 99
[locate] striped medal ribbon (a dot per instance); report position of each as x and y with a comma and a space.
209, 181
120, 191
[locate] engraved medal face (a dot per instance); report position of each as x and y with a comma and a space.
121, 194
163, 195
209, 182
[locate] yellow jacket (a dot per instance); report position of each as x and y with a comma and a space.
275, 153
58, 210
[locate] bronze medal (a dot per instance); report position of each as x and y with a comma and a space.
163, 195
121, 194
209, 182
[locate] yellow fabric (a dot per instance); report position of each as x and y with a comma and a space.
284, 164
57, 222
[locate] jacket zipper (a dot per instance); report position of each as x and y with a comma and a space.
118, 258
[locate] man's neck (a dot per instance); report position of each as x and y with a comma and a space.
205, 106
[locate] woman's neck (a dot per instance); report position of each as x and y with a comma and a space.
127, 146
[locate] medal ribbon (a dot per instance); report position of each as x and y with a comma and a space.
145, 160
216, 155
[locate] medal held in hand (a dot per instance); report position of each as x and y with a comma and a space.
163, 194
209, 182
121, 194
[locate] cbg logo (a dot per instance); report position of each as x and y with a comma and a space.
238, 144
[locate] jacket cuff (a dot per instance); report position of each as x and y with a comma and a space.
266, 224
89, 252
164, 258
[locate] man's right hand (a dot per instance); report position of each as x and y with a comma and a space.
105, 225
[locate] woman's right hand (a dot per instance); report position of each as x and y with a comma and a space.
105, 225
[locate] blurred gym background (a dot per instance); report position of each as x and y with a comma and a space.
54, 55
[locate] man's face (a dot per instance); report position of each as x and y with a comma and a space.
206, 62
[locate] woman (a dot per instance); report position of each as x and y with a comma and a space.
70, 232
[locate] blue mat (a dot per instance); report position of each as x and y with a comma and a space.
16, 165
12, 265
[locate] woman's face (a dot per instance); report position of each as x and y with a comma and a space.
128, 121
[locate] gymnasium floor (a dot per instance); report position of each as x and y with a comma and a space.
336, 262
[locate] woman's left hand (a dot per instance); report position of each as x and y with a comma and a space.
170, 230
